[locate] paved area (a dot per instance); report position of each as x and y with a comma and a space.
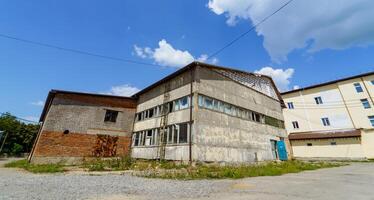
355, 181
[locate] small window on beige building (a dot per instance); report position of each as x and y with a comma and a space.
111, 116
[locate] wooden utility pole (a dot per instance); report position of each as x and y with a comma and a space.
2, 145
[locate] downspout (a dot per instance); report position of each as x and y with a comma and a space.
192, 77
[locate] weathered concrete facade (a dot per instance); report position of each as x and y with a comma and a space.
78, 125
215, 136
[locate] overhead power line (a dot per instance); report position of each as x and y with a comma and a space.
249, 30
19, 118
76, 51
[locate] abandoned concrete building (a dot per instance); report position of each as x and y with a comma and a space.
200, 113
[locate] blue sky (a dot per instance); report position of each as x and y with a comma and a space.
298, 47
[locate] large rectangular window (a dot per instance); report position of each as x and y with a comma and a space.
236, 111
358, 87
365, 103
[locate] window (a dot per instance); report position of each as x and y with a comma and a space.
318, 100
136, 139
371, 119
183, 133
111, 116
358, 87
309, 144
290, 105
325, 121
183, 102
333, 143
256, 117
372, 82
365, 103
295, 124
208, 102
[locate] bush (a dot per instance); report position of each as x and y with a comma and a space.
17, 149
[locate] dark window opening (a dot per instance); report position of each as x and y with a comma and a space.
183, 133
111, 116
309, 144
333, 143
151, 113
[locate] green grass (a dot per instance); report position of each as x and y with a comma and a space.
117, 164
242, 171
43, 168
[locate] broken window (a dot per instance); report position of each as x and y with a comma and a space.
175, 133
136, 139
148, 138
176, 105
183, 133
151, 113
111, 116
183, 102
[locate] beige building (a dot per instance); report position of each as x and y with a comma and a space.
333, 119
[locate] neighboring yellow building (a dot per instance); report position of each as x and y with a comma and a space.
333, 120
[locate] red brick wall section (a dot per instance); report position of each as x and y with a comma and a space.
58, 144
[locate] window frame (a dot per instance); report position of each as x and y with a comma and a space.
111, 116
290, 105
318, 100
295, 125
326, 121
365, 103
371, 120
358, 87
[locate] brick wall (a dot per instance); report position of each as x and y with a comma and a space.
58, 144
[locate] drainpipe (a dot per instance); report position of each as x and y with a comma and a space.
192, 77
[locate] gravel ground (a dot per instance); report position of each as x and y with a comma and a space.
16, 184
355, 181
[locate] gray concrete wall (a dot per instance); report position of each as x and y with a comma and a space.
180, 87
222, 138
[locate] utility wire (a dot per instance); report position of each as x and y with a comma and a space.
248, 31
20, 119
76, 51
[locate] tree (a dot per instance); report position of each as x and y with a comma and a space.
21, 136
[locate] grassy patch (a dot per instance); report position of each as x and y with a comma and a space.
43, 168
117, 164
242, 171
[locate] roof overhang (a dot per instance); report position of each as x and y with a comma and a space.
346, 133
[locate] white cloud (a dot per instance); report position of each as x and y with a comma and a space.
281, 77
38, 103
295, 87
123, 90
166, 55
314, 25
31, 118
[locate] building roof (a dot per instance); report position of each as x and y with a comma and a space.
329, 82
53, 93
325, 134
196, 63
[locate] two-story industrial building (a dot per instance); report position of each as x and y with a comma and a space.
201, 112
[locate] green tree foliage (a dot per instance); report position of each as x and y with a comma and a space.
21, 136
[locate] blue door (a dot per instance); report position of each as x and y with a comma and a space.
282, 152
